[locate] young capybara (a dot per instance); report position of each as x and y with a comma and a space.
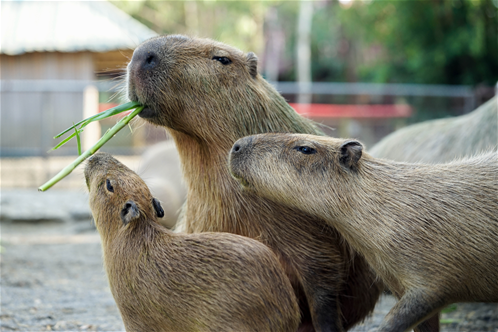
208, 95
429, 231
164, 281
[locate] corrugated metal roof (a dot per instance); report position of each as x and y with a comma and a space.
67, 26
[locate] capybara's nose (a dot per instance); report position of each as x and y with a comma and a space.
241, 145
236, 148
92, 158
145, 59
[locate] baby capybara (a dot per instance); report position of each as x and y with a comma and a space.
208, 95
162, 281
429, 231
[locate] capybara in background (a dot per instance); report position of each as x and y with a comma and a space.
429, 231
443, 140
164, 281
208, 95
160, 169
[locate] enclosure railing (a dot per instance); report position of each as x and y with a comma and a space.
374, 89
33, 111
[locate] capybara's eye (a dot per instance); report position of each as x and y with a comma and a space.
109, 186
223, 60
305, 149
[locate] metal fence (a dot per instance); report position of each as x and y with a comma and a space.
33, 111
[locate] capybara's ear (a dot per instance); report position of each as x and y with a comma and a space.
129, 212
350, 153
158, 208
252, 64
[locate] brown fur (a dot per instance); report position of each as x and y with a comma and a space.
429, 231
206, 107
163, 281
443, 140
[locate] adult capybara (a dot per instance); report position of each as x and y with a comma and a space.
429, 231
160, 169
443, 140
208, 95
164, 281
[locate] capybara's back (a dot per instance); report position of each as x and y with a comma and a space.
199, 282
443, 140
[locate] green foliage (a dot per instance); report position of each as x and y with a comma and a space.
77, 139
238, 23
438, 42
450, 308
396, 41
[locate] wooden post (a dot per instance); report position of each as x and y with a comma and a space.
303, 51
92, 133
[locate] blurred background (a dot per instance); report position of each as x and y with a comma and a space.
363, 68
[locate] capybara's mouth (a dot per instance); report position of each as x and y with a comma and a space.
147, 113
244, 183
240, 179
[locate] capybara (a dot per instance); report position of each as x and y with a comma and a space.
160, 169
165, 281
208, 95
443, 140
429, 231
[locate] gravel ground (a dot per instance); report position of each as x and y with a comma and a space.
52, 277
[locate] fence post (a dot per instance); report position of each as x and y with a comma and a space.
47, 121
90, 107
303, 52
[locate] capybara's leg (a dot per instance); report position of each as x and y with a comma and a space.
325, 309
411, 309
429, 325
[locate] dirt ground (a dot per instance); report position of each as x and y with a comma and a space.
52, 278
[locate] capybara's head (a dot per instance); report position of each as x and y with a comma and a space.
294, 169
118, 196
182, 80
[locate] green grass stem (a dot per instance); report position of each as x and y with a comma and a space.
77, 139
106, 137
103, 115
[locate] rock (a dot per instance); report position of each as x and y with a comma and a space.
29, 205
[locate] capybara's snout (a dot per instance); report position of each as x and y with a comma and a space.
91, 163
239, 154
240, 151
144, 65
147, 56
144, 59
97, 165
241, 146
